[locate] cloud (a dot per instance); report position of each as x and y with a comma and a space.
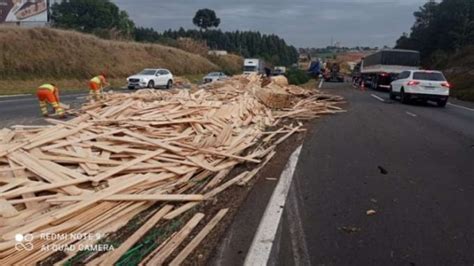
303, 23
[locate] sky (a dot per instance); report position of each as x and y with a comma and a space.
302, 23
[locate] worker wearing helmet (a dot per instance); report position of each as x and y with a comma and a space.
96, 85
48, 94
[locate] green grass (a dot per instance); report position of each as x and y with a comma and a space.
297, 76
465, 94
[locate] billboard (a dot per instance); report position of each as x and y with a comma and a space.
23, 11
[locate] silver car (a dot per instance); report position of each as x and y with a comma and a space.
214, 76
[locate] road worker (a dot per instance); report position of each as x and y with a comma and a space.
96, 85
49, 94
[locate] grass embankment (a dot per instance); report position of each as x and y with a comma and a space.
458, 70
32, 56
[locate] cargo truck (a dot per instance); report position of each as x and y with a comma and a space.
379, 69
333, 73
254, 65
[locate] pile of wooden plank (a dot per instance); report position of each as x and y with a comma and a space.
94, 173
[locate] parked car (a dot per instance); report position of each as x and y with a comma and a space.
420, 85
151, 78
214, 76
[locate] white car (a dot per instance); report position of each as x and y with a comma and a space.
214, 76
420, 85
151, 78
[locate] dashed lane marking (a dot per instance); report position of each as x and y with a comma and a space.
411, 114
462, 107
378, 97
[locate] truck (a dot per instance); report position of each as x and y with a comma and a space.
254, 65
279, 70
314, 69
378, 70
333, 73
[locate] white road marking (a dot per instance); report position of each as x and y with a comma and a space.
462, 107
295, 227
16, 95
16, 100
411, 114
262, 243
321, 84
377, 97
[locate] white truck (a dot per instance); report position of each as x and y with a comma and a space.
254, 65
379, 69
279, 70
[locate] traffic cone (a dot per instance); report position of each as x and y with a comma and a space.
362, 86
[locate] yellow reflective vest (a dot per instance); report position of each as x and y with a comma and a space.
97, 79
47, 86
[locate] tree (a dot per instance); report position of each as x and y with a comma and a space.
442, 27
206, 18
91, 16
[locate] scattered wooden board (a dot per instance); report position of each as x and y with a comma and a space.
119, 156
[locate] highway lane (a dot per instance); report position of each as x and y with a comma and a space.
412, 164
24, 109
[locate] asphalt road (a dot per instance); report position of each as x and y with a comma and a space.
412, 164
24, 109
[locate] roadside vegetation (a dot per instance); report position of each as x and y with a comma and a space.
297, 76
71, 58
444, 34
107, 21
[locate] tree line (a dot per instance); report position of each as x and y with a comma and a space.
105, 19
440, 29
246, 43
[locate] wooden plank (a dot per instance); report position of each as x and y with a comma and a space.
44, 187
58, 135
199, 161
37, 167
152, 141
254, 172
31, 199
168, 249
225, 186
13, 184
230, 155
126, 165
185, 252
177, 212
11, 169
71, 209
6, 209
115, 255
294, 130
64, 159
79, 140
135, 197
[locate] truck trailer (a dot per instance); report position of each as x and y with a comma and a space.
254, 65
379, 69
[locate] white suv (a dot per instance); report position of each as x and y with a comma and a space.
151, 78
420, 85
